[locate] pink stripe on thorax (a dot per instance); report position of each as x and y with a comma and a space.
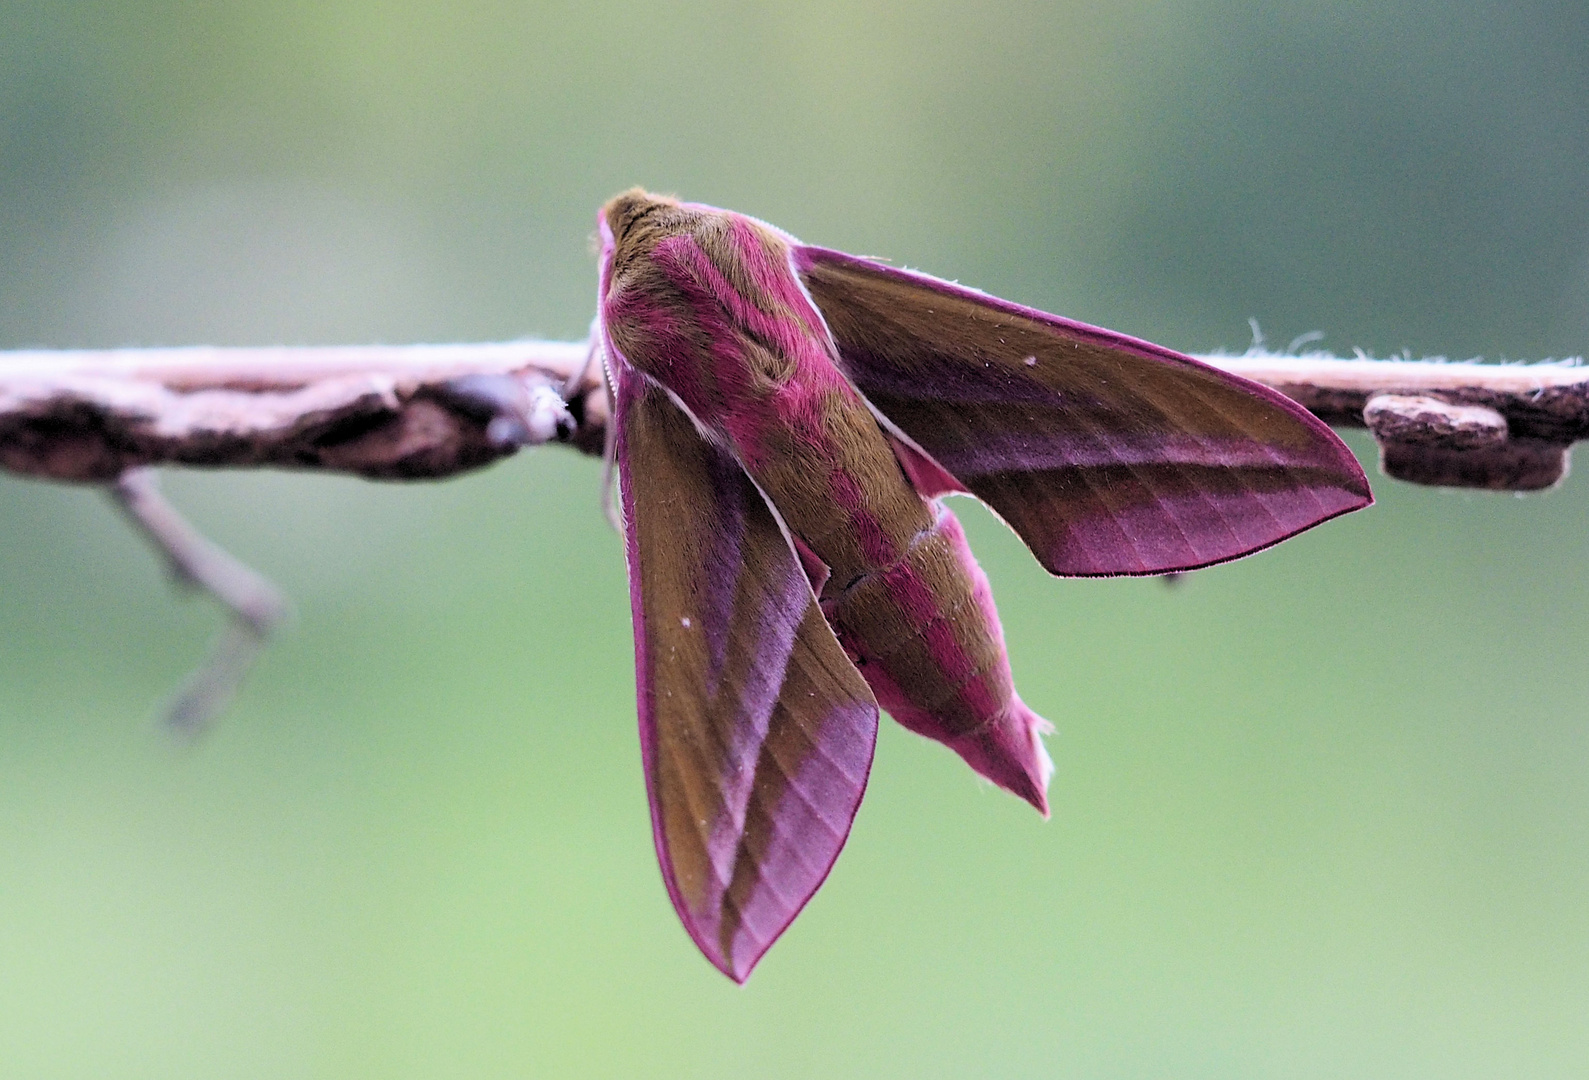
670, 350
876, 546
725, 317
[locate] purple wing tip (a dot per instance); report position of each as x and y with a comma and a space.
742, 957
735, 929
736, 967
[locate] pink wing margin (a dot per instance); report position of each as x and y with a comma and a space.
1107, 455
756, 731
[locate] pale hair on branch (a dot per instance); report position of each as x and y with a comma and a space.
426, 412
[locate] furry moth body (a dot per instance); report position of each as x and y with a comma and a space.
786, 420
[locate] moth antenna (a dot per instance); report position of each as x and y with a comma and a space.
1257, 335
609, 453
609, 505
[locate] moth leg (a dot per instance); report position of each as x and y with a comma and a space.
519, 410
593, 358
596, 358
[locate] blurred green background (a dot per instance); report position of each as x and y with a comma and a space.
1320, 813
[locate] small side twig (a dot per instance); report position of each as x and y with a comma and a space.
257, 607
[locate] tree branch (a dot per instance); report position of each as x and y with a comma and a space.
1503, 427
392, 413
396, 413
429, 411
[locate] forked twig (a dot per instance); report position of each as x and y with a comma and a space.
256, 606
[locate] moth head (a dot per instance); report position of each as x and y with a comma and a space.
631, 225
636, 219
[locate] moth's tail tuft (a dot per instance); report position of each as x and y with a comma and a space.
1009, 751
